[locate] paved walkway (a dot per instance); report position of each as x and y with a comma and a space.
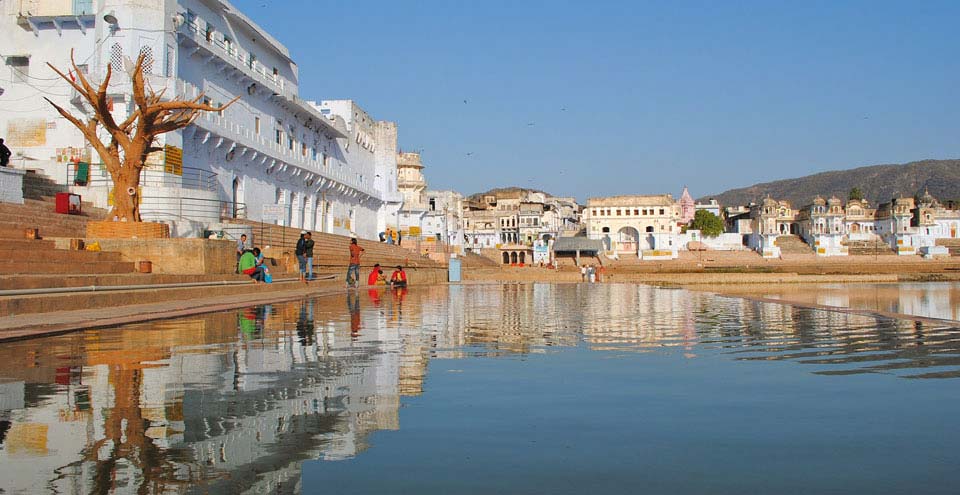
44, 324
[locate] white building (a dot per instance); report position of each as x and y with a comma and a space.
271, 156
443, 220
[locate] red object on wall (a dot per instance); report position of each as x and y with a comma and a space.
68, 204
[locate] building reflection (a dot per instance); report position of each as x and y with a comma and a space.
236, 401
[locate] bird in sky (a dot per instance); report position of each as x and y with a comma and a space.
531, 124
464, 102
470, 153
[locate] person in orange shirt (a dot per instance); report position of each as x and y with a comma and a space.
399, 278
354, 268
376, 276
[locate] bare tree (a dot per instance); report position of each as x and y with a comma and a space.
133, 139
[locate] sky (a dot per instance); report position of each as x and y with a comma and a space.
602, 98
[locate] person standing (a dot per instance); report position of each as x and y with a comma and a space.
583, 273
241, 247
4, 154
301, 259
308, 254
354, 268
399, 239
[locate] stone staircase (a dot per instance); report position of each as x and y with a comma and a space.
331, 251
792, 244
953, 245
868, 248
38, 186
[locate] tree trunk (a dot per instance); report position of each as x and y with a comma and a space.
126, 206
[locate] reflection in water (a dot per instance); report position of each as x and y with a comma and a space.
235, 402
932, 300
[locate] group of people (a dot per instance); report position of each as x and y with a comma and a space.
398, 278
250, 262
304, 252
590, 273
391, 236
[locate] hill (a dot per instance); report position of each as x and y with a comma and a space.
879, 183
502, 192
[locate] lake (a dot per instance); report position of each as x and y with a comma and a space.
497, 388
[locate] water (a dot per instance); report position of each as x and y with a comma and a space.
488, 389
939, 300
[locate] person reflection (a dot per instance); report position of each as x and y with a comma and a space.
398, 294
353, 305
305, 323
247, 323
374, 295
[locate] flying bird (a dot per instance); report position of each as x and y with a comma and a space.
531, 124
464, 102
470, 153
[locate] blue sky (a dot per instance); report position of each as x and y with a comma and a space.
600, 98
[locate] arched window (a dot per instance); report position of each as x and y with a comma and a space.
650, 229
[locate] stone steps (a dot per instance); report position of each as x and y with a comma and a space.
30, 267
791, 244
51, 255
46, 281
331, 250
15, 230
40, 303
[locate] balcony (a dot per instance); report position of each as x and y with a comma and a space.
249, 143
243, 63
62, 14
192, 35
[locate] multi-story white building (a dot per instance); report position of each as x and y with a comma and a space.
634, 224
413, 187
271, 156
443, 221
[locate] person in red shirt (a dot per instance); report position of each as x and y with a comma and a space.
354, 268
376, 276
399, 278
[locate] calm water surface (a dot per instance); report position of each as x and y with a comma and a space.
532, 388
929, 299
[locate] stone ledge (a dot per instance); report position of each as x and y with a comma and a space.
11, 185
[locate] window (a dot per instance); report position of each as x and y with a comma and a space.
20, 67
618, 213
228, 44
661, 211
256, 125
303, 149
147, 53
116, 57
251, 60
279, 132
208, 33
636, 213
290, 143
276, 73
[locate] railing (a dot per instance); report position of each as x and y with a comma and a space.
192, 178
248, 138
189, 208
234, 54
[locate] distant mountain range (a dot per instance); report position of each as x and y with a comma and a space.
879, 183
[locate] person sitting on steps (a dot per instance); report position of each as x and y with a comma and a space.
248, 266
399, 278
